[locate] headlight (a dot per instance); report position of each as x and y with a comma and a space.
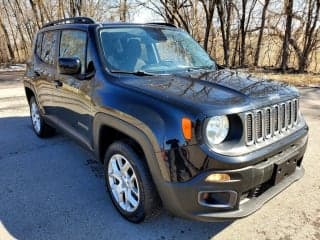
217, 129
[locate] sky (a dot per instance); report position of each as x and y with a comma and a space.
144, 15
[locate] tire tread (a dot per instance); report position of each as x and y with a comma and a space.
151, 204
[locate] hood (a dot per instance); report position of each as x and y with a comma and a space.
223, 89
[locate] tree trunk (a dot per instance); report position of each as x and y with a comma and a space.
209, 12
44, 12
25, 22
18, 58
236, 48
224, 12
23, 39
287, 35
263, 21
228, 32
61, 11
10, 50
309, 35
35, 13
243, 34
123, 8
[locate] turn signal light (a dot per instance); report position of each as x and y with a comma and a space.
218, 177
186, 128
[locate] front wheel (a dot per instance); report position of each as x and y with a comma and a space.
38, 124
129, 183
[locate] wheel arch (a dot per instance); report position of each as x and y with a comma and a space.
107, 129
29, 93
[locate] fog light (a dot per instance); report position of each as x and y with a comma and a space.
218, 199
218, 177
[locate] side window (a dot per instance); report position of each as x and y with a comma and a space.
38, 44
48, 47
73, 44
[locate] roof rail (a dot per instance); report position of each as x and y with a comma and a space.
163, 24
76, 20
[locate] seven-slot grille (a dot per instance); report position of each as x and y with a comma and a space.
265, 123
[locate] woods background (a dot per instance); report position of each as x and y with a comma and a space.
270, 34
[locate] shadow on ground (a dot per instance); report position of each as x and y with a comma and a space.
53, 189
10, 79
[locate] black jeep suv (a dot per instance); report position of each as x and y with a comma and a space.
171, 127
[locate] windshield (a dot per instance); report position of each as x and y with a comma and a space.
152, 50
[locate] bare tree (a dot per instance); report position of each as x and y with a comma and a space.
235, 32
35, 12
311, 34
208, 6
7, 38
12, 32
123, 10
262, 26
244, 24
287, 35
19, 28
75, 8
224, 11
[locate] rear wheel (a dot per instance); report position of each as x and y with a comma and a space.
129, 183
38, 124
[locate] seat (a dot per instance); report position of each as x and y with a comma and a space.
132, 53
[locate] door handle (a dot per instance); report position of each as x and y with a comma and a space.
36, 73
58, 83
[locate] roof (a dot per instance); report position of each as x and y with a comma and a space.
84, 22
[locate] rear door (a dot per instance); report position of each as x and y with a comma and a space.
72, 97
44, 67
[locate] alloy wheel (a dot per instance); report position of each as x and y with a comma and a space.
35, 117
123, 183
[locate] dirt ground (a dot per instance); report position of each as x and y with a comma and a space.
53, 189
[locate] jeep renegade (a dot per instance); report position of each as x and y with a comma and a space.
171, 127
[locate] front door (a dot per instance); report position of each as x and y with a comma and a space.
72, 96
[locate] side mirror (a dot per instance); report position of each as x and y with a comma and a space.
69, 66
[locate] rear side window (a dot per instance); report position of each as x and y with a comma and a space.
49, 47
73, 44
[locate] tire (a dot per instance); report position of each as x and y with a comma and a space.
39, 126
136, 199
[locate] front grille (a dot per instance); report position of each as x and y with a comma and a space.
259, 126
276, 117
289, 113
265, 123
283, 116
295, 110
250, 138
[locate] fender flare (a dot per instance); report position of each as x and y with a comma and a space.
141, 134
30, 86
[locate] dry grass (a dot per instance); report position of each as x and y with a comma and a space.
294, 79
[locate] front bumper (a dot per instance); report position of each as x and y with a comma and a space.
253, 204
254, 185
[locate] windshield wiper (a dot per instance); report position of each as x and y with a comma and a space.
137, 73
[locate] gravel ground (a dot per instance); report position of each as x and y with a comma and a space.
53, 189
